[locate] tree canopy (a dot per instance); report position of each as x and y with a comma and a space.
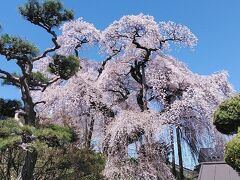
111, 103
132, 98
227, 116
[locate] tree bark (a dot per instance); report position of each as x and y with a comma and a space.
30, 114
90, 133
173, 151
144, 88
179, 152
29, 117
9, 163
86, 134
29, 165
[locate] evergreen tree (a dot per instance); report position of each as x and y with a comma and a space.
227, 121
47, 15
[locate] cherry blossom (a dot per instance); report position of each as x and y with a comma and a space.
135, 95
177, 33
76, 33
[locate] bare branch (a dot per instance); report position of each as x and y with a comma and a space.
140, 46
39, 102
100, 70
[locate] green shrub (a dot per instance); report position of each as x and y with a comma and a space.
227, 116
9, 141
227, 121
9, 127
232, 152
55, 135
65, 163
57, 159
52, 135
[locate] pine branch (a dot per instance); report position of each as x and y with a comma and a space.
56, 46
9, 77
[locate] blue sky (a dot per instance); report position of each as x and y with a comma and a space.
215, 22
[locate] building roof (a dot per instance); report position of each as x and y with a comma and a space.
217, 171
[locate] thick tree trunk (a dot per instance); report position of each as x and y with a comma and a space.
30, 119
29, 165
179, 152
30, 114
173, 151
